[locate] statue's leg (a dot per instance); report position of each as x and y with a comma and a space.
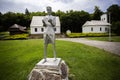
45, 52
54, 50
45, 48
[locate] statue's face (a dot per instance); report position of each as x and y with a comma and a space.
49, 10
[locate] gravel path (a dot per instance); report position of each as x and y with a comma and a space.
113, 47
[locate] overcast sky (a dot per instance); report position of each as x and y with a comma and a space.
63, 5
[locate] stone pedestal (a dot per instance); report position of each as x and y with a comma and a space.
50, 70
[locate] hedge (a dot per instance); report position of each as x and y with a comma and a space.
17, 36
76, 35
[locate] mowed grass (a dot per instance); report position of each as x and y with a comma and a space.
113, 39
18, 57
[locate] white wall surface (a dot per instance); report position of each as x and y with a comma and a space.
96, 29
39, 30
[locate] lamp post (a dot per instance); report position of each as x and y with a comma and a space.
109, 28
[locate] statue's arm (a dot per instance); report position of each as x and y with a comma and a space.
52, 22
44, 24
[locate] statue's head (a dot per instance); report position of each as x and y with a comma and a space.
49, 10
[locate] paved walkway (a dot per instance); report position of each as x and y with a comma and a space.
113, 47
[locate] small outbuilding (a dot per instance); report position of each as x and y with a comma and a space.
17, 29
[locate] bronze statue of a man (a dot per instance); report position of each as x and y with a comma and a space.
49, 22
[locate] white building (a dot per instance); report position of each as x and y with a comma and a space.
36, 26
96, 26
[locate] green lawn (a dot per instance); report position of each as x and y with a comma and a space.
114, 38
18, 57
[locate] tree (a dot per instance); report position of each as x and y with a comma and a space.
0, 18
59, 13
97, 13
116, 27
114, 11
27, 12
9, 19
73, 20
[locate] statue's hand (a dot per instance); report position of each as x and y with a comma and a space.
50, 20
44, 23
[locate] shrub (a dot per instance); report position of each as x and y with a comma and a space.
76, 35
17, 36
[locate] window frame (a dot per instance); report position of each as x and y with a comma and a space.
36, 29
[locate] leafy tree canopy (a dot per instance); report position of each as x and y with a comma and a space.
97, 13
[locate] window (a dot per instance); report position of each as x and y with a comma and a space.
54, 29
106, 29
100, 29
92, 29
102, 19
35, 29
42, 29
